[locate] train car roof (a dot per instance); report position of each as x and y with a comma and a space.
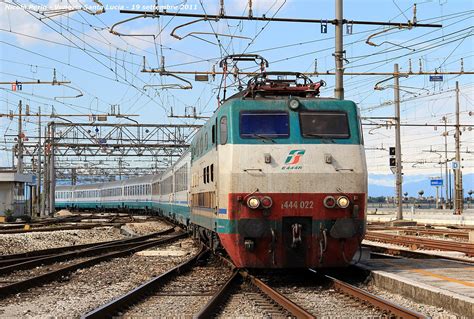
147, 179
64, 187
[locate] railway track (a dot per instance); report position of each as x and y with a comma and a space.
16, 280
57, 228
59, 220
9, 263
151, 295
324, 296
391, 252
140, 293
229, 298
387, 307
227, 302
416, 231
67, 223
422, 243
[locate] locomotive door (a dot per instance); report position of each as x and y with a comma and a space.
296, 234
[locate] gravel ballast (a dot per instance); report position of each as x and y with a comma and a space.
24, 242
86, 289
185, 295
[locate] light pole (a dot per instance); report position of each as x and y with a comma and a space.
470, 198
420, 193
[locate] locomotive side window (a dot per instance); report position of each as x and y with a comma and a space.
324, 124
223, 130
264, 124
213, 134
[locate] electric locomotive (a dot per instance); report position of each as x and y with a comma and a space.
277, 178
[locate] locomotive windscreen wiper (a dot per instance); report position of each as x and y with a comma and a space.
320, 136
263, 137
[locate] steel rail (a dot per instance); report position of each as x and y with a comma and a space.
55, 274
25, 263
436, 232
423, 243
380, 303
277, 297
45, 221
416, 231
212, 306
450, 226
395, 252
49, 229
109, 309
57, 250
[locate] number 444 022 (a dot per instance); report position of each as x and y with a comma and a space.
303, 204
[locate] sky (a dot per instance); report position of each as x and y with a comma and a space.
38, 38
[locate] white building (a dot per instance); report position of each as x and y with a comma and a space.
13, 191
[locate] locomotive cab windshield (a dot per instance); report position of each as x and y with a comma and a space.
284, 107
258, 124
324, 124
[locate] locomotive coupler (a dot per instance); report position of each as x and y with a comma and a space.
296, 232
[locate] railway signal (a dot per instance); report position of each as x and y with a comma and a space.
393, 162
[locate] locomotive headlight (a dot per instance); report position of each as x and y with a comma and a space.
294, 104
343, 202
329, 202
253, 202
266, 202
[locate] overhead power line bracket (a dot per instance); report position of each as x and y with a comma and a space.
131, 19
161, 71
194, 33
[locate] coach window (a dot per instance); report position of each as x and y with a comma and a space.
223, 130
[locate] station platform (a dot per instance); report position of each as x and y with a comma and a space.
438, 282
423, 216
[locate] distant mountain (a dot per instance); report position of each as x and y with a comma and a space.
384, 184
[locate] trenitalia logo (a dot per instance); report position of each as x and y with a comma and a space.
293, 159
